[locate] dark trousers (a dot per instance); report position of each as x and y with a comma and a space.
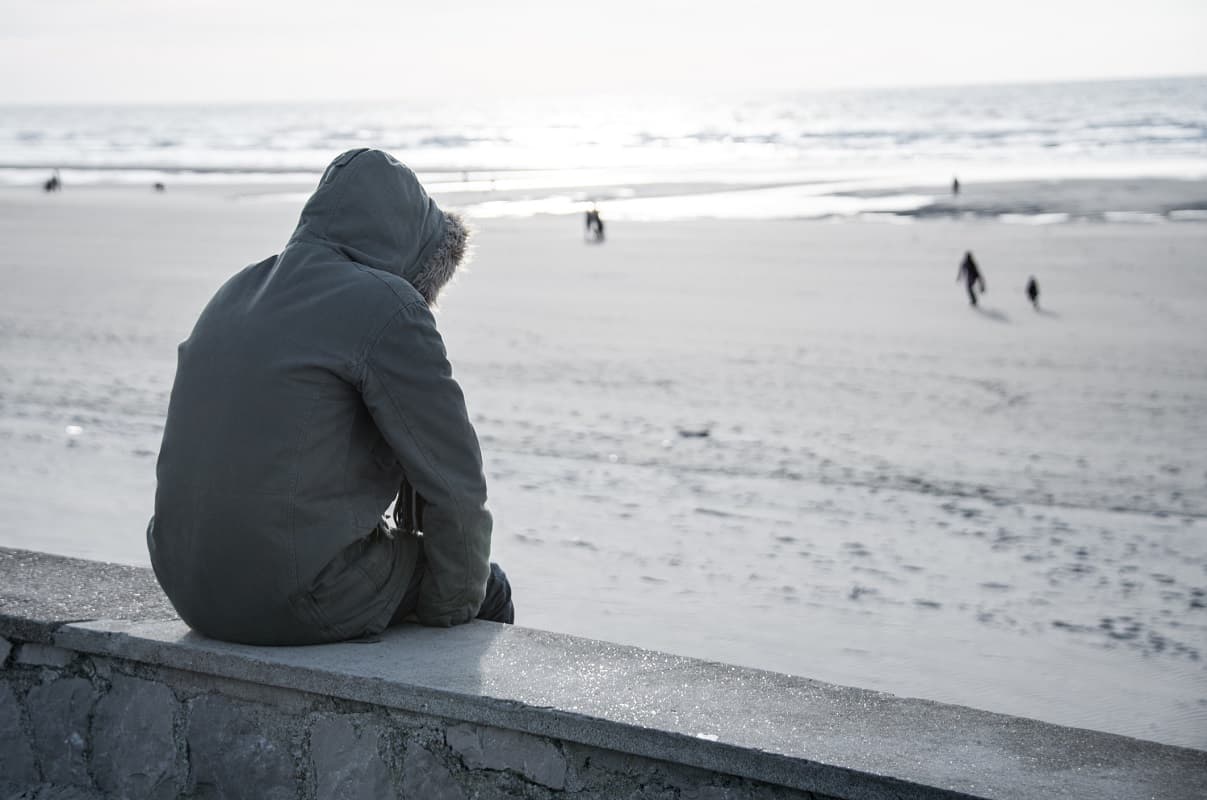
496, 606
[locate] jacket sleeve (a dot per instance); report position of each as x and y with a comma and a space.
408, 387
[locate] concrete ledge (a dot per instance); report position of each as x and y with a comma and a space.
40, 592
774, 729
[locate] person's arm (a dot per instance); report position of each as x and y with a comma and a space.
408, 386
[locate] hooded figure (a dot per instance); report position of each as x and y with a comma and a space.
313, 386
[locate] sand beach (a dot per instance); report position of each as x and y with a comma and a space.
783, 443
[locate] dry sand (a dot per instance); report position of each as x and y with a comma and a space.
999, 507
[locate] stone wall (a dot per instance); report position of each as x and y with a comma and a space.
104, 693
79, 726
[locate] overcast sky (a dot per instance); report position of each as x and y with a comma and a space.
288, 50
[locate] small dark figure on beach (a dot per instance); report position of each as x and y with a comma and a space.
158, 186
1033, 292
595, 226
313, 392
53, 184
971, 276
955, 186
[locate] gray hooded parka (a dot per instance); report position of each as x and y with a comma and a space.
313, 383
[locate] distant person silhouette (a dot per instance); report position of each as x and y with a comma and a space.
955, 187
53, 184
1033, 292
595, 226
971, 275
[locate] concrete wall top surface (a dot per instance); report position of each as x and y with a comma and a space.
781, 729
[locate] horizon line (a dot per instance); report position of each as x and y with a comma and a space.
556, 95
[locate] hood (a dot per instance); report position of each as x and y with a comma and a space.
372, 209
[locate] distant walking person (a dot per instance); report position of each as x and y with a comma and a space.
595, 226
1033, 292
53, 184
955, 187
972, 276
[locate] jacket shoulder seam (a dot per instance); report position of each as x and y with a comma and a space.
374, 335
372, 272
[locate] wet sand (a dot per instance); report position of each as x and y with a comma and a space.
1000, 507
1134, 200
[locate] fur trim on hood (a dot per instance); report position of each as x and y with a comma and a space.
452, 253
372, 209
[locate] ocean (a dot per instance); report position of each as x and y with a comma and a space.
818, 154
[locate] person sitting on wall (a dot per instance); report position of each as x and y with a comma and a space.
313, 390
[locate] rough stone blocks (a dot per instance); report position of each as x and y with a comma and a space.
59, 711
51, 792
239, 752
17, 764
134, 750
424, 776
347, 763
537, 759
43, 655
